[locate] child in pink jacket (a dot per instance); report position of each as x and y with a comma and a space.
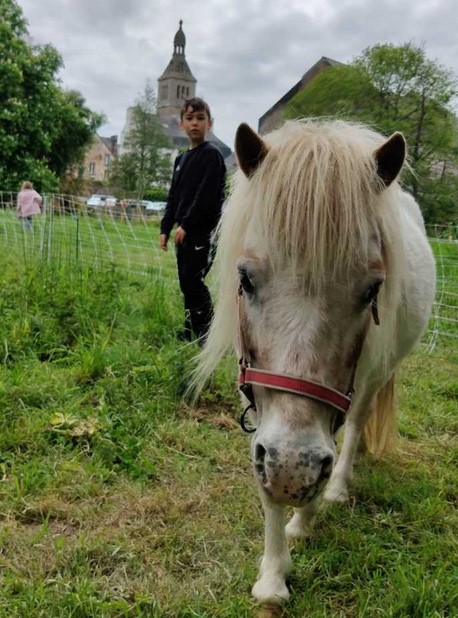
28, 204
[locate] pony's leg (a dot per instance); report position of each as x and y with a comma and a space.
301, 523
276, 562
342, 475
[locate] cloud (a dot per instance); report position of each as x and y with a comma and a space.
245, 54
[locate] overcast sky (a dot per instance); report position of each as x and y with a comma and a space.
245, 54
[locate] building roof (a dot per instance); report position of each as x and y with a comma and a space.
231, 162
111, 143
319, 66
178, 67
171, 125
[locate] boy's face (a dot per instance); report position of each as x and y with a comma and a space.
196, 124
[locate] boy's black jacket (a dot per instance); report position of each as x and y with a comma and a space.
197, 191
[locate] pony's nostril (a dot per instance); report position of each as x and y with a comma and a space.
326, 466
259, 465
259, 453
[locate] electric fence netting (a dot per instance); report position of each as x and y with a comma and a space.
68, 231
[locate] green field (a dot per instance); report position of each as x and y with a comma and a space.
119, 499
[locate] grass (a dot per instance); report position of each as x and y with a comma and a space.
118, 499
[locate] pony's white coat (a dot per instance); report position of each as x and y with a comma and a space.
312, 226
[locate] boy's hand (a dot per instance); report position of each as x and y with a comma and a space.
179, 236
163, 242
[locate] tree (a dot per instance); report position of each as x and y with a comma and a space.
338, 91
77, 127
147, 161
397, 89
43, 130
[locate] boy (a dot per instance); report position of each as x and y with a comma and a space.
194, 202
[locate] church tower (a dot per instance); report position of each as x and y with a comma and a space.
177, 82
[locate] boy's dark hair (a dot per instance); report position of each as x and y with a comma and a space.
197, 105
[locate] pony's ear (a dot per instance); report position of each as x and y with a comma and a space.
390, 158
250, 149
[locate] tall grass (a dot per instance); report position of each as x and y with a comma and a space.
119, 499
66, 235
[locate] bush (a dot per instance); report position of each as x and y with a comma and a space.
156, 194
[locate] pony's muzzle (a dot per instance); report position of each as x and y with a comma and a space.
290, 475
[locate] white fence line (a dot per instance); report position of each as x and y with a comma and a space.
68, 230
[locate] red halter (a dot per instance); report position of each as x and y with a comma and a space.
318, 391
298, 386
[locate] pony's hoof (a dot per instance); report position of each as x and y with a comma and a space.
270, 590
269, 611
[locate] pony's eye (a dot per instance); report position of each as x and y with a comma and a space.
245, 281
372, 292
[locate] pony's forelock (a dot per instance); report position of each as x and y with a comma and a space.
312, 205
314, 198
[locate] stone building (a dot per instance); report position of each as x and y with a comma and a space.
273, 117
99, 157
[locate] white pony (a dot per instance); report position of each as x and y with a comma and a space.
326, 282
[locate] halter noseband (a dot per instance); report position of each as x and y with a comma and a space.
249, 377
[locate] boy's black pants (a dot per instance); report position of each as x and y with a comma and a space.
194, 260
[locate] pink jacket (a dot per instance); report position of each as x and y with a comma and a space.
28, 203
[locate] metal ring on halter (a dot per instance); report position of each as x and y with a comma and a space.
242, 420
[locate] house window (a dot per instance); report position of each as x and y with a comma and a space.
106, 160
106, 174
92, 168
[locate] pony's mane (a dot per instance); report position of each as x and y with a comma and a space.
312, 205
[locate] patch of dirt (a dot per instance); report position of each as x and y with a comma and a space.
212, 415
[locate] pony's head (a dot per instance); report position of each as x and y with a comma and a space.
307, 244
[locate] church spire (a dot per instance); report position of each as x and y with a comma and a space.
177, 83
179, 42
